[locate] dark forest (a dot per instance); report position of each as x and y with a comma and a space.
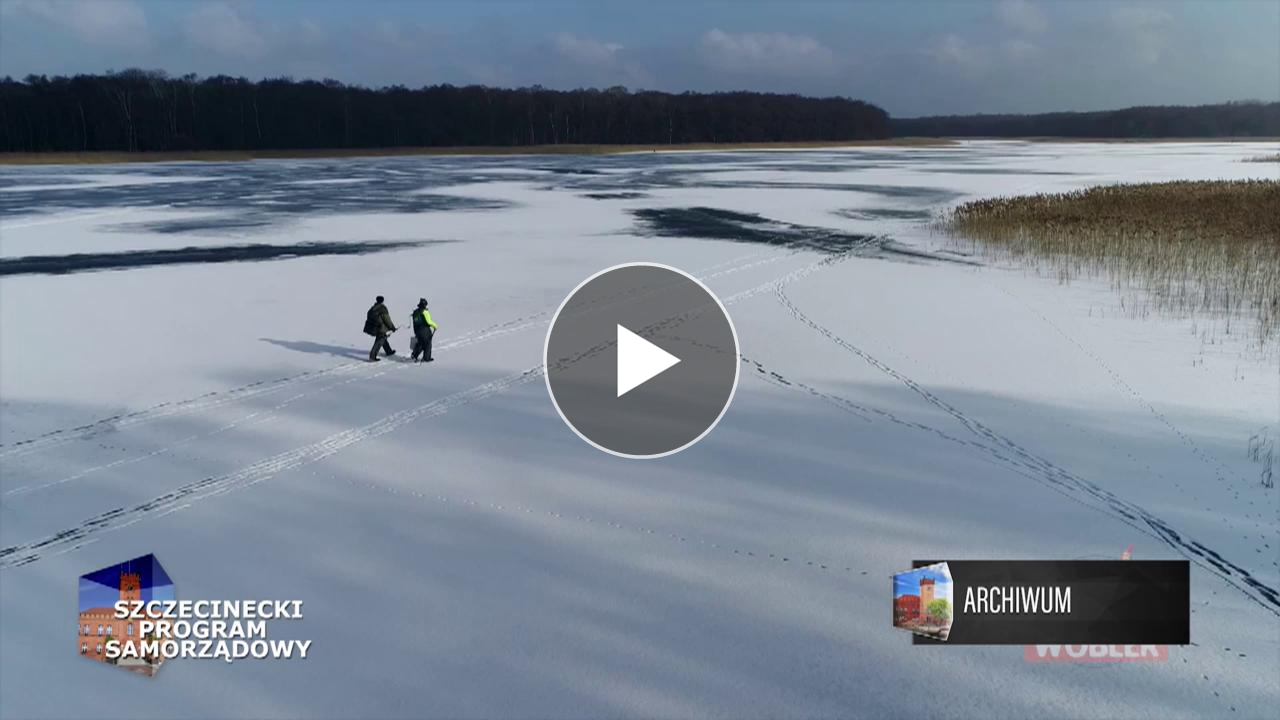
138, 110
1238, 119
148, 111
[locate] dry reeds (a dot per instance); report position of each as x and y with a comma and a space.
1191, 247
1263, 158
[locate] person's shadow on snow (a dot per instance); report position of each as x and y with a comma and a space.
307, 346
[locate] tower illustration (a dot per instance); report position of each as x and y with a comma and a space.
119, 641
926, 594
130, 587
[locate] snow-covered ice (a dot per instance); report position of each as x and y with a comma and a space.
462, 553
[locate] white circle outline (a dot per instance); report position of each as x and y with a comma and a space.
737, 365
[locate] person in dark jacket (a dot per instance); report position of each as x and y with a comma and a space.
424, 328
378, 324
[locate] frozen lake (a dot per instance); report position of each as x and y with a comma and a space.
181, 373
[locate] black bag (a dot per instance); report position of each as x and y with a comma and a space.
373, 321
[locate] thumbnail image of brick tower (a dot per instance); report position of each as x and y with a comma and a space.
922, 601
926, 594
99, 625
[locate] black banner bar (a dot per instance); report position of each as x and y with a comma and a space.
1017, 602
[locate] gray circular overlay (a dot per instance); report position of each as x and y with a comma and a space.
672, 410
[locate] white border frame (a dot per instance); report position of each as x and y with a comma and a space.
737, 361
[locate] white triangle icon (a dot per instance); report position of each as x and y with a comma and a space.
639, 360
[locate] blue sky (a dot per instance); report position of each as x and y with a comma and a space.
912, 58
909, 583
101, 588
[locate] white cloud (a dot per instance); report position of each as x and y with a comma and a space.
954, 52
1139, 16
773, 53
599, 63
957, 54
219, 27
586, 51
311, 34
386, 38
386, 31
1022, 17
1145, 29
104, 22
1021, 49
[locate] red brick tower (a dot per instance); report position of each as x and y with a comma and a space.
130, 587
926, 594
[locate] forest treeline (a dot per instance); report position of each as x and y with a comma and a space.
139, 110
1236, 119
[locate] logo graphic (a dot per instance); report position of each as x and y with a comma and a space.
141, 579
922, 601
1097, 653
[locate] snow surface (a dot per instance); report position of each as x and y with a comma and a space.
461, 553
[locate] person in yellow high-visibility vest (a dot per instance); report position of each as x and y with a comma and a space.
424, 328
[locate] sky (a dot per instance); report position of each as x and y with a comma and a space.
101, 588
908, 583
910, 57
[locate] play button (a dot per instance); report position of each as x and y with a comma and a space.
641, 360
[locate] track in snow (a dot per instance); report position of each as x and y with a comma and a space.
214, 400
185, 495
70, 539
1048, 472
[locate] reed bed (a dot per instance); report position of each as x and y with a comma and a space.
1264, 158
1191, 248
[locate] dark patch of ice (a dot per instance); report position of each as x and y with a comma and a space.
86, 262
616, 195
931, 194
262, 193
995, 171
885, 214
205, 225
25, 180
719, 224
569, 170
